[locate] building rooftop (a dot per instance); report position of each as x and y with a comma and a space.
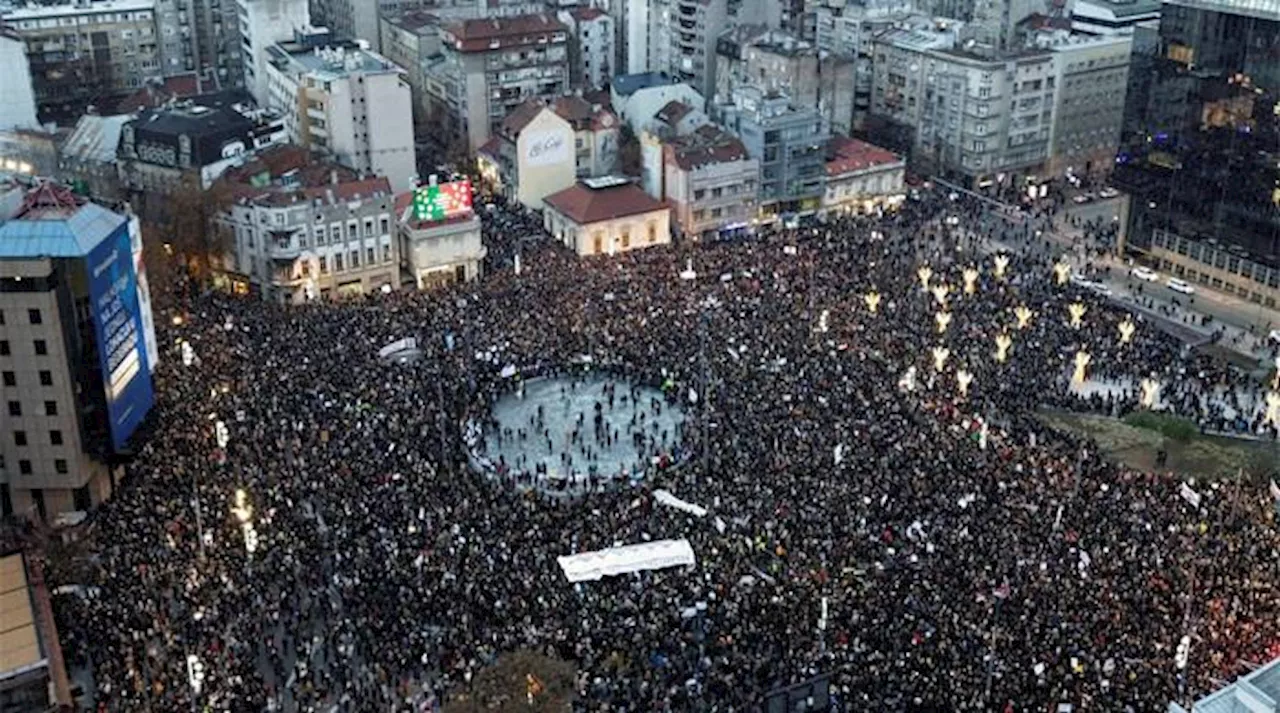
587, 14
1116, 9
39, 12
337, 59
157, 93
20, 647
520, 117
707, 146
1260, 9
846, 155
54, 222
627, 84
1257, 691
95, 138
414, 20
499, 32
673, 111
584, 204
918, 40
286, 174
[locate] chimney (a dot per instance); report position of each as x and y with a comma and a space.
333, 176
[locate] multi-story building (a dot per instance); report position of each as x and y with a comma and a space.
606, 216
778, 61
489, 67
348, 19
347, 103
303, 230
18, 111
591, 51
710, 182
862, 177
963, 115
410, 39
89, 158
1114, 17
444, 248
84, 54
637, 98
648, 36
789, 142
1091, 77
994, 24
695, 25
76, 351
262, 24
190, 144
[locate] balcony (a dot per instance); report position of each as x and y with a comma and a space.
283, 245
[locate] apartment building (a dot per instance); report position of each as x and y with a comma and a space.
695, 26
1092, 76
346, 103
76, 351
304, 230
591, 50
648, 36
775, 60
410, 39
790, 144
82, 54
18, 111
348, 19
710, 182
862, 177
489, 67
263, 23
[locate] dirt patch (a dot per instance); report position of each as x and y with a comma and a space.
1202, 457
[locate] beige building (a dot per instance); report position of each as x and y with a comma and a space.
710, 182
606, 216
437, 253
1092, 76
862, 177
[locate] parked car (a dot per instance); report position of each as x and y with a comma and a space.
1145, 274
1108, 192
1083, 198
1180, 286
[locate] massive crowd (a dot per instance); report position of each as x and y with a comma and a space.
971, 559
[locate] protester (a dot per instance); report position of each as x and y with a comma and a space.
971, 558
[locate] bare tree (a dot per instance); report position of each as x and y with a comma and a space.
181, 231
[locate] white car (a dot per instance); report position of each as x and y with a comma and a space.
1145, 273
1083, 198
1108, 192
1181, 286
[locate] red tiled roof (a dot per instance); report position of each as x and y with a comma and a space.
708, 145
516, 31
585, 205
492, 147
573, 109
521, 116
848, 155
599, 97
673, 111
275, 160
151, 96
587, 14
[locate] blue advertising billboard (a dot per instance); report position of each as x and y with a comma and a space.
118, 323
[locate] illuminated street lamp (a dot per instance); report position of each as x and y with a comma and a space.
873, 301
1075, 312
1003, 342
1002, 264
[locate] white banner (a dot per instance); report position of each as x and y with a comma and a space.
545, 148
399, 345
666, 497
1189, 495
591, 566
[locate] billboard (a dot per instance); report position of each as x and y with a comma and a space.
442, 200
144, 293
118, 325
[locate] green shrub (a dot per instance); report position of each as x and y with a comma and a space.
1171, 427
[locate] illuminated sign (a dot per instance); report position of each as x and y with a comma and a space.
441, 201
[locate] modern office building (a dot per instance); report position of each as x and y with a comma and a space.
1114, 17
790, 144
76, 350
303, 230
263, 23
87, 54
345, 103
489, 67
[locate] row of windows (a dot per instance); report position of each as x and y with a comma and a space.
20, 438
60, 465
50, 408
33, 317
39, 346
11, 378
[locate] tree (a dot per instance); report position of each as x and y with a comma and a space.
505, 686
629, 158
182, 232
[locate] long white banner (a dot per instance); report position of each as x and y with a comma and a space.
591, 566
666, 497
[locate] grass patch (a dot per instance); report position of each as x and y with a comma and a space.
1172, 427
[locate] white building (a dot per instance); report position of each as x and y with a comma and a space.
347, 103
18, 110
637, 98
591, 50
648, 42
606, 216
862, 177
1114, 17
437, 253
264, 23
695, 26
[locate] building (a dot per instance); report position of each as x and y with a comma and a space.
777, 61
192, 143
76, 352
303, 230
648, 36
264, 23
530, 157
440, 240
862, 178
710, 182
1091, 75
789, 142
606, 216
410, 40
89, 157
112, 53
346, 103
994, 24
695, 25
1114, 17
31, 666
348, 19
18, 111
489, 67
637, 98
591, 50
1256, 692
676, 119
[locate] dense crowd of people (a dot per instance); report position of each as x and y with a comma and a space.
969, 558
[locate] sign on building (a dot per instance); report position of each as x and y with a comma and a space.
545, 148
443, 200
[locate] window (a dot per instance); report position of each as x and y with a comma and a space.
35, 317
337, 262
4, 347
320, 237
368, 227
10, 379
19, 438
384, 224
355, 259
60, 465
324, 265
55, 438
1, 316
46, 378
653, 232
626, 238
386, 253
51, 408
370, 256
41, 347
15, 408
24, 467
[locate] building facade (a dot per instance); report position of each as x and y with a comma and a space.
695, 26
76, 351
789, 142
606, 216
81, 54
862, 178
778, 61
303, 231
1091, 76
438, 253
591, 46
648, 36
710, 182
18, 111
346, 103
532, 155
263, 23
410, 39
348, 19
